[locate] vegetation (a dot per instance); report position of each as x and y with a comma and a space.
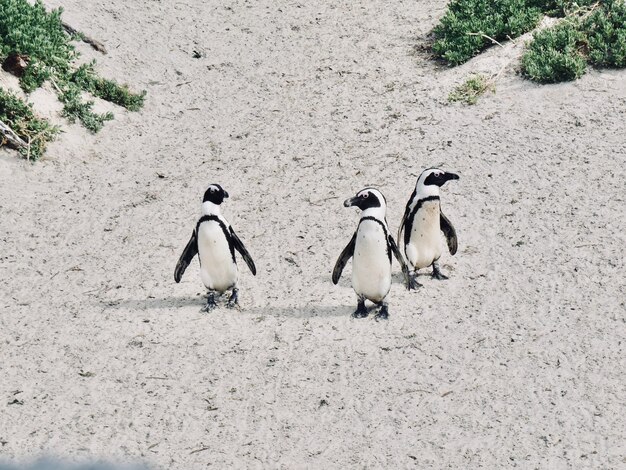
592, 32
470, 26
32, 32
32, 130
605, 29
554, 55
469, 91
595, 35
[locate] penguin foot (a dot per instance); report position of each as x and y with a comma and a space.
437, 274
361, 311
210, 303
412, 282
233, 301
383, 314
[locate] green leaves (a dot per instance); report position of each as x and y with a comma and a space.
34, 131
30, 30
561, 53
466, 28
85, 77
593, 32
469, 91
606, 34
554, 55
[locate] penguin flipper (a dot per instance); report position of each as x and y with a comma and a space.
396, 252
189, 252
345, 255
407, 211
449, 232
238, 244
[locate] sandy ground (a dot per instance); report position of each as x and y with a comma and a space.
517, 361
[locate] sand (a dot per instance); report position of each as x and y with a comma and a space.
516, 361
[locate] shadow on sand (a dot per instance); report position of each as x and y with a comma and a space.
153, 303
307, 311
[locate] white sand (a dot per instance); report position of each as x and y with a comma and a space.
517, 361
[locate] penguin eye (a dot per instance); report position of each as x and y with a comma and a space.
212, 190
366, 195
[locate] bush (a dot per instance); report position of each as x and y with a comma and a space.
86, 78
461, 33
554, 55
606, 34
561, 7
20, 118
29, 30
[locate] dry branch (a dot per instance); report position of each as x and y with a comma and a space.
97, 45
11, 137
493, 41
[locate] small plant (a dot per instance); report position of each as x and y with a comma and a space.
40, 40
469, 91
33, 131
555, 54
86, 79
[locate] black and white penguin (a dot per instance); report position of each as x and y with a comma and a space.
215, 242
423, 223
370, 248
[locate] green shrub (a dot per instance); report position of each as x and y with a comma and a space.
463, 29
467, 25
560, 7
606, 34
20, 118
75, 108
554, 55
87, 79
30, 30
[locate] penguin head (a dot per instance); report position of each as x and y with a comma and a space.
215, 194
431, 180
368, 198
437, 177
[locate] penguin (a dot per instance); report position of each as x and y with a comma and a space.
422, 223
215, 242
370, 248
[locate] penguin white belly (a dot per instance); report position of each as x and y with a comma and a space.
217, 269
426, 244
371, 269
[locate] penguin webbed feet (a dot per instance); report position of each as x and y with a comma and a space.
210, 303
233, 300
437, 274
361, 311
383, 313
411, 282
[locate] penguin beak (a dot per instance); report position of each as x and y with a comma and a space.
350, 202
450, 176
225, 194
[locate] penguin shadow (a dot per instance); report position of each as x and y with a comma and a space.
150, 303
299, 312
